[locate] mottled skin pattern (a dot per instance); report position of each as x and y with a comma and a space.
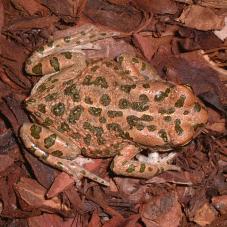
105, 109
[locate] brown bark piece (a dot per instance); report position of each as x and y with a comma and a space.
201, 18
220, 203
205, 215
32, 196
61, 182
163, 210
158, 6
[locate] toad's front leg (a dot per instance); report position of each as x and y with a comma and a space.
55, 151
124, 165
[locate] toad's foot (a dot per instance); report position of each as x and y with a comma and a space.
124, 165
155, 159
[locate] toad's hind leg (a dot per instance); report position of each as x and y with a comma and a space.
67, 51
53, 150
124, 165
137, 68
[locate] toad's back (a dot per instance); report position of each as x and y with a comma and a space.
102, 107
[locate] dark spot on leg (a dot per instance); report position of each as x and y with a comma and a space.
35, 131
50, 141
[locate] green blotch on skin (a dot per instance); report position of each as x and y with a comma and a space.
170, 110
75, 114
76, 136
162, 133
117, 128
112, 113
162, 95
100, 81
88, 100
132, 120
139, 106
47, 122
54, 80
178, 128
58, 109
63, 127
42, 108
131, 168
143, 98
120, 59
143, 66
50, 44
124, 104
87, 139
35, 131
68, 82
37, 69
50, 141
127, 72
102, 120
42, 88
108, 64
135, 60
146, 85
40, 50
87, 80
94, 68
67, 39
167, 118
67, 55
98, 131
55, 64
83, 151
29, 101
139, 126
114, 127
151, 128
142, 167
95, 111
105, 100
101, 141
146, 117
180, 102
51, 97
73, 92
197, 107
57, 153
127, 87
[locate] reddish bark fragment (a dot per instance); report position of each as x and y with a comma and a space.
95, 220
158, 6
220, 203
5, 162
32, 196
205, 215
201, 18
34, 7
164, 210
47, 220
61, 183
